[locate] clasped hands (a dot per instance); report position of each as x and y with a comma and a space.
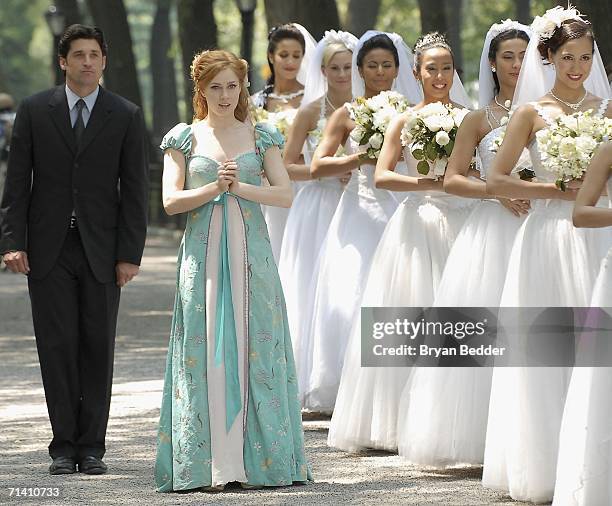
227, 176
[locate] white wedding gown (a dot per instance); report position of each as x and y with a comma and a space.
584, 465
552, 264
307, 225
344, 261
276, 217
443, 415
405, 271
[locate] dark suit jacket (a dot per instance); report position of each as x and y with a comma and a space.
104, 181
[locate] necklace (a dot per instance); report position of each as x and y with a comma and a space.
285, 97
506, 105
575, 106
333, 107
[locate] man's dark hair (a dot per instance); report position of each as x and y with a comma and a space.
74, 32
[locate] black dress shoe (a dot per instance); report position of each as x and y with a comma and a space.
92, 465
62, 465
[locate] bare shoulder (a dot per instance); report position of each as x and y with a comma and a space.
309, 114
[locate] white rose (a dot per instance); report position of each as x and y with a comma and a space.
357, 134
585, 145
433, 109
442, 138
433, 123
406, 137
440, 166
567, 148
381, 118
376, 141
447, 122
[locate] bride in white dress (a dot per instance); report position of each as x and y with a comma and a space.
359, 220
328, 87
552, 264
584, 466
443, 416
407, 264
290, 48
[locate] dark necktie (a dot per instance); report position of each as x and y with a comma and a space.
79, 124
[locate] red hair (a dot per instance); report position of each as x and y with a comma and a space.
205, 66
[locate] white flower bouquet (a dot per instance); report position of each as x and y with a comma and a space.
567, 146
282, 120
430, 134
372, 117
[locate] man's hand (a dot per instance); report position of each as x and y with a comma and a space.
17, 261
125, 273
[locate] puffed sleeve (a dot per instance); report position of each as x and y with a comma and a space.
266, 136
179, 137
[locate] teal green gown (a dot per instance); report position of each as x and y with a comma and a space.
230, 408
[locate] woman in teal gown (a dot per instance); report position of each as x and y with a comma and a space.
230, 410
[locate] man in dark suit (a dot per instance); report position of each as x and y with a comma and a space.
73, 219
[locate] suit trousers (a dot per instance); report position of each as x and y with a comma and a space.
75, 320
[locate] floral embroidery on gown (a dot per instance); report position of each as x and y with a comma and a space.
230, 408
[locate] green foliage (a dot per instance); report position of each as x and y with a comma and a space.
25, 48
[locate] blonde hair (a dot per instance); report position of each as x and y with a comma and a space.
331, 50
204, 67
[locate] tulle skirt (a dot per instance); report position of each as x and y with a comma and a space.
307, 225
443, 411
276, 220
405, 271
584, 466
344, 261
552, 264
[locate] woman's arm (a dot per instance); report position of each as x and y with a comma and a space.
499, 182
385, 175
456, 179
178, 200
585, 212
324, 163
279, 193
295, 142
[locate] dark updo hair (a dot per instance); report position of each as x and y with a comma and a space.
430, 41
380, 41
496, 42
275, 35
74, 32
570, 29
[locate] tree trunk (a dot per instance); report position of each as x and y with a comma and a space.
197, 31
361, 16
599, 12
281, 11
120, 75
316, 16
523, 12
70, 8
454, 15
165, 102
433, 16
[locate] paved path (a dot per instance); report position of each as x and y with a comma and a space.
369, 478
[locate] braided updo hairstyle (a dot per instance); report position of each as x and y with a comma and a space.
205, 66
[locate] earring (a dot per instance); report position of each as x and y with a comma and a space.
493, 69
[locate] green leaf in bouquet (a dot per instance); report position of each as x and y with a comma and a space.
449, 147
418, 154
560, 183
431, 150
423, 167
